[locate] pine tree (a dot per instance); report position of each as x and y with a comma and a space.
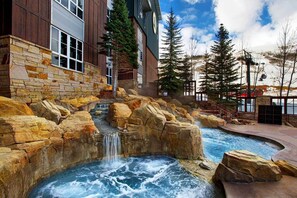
223, 73
185, 69
205, 82
170, 59
121, 44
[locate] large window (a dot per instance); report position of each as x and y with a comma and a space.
74, 6
67, 51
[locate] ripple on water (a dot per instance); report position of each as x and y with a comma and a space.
134, 177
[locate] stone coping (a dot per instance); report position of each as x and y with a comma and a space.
286, 187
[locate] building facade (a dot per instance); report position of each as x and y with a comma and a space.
49, 48
145, 16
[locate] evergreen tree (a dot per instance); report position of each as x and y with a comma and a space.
185, 69
121, 44
205, 82
170, 58
223, 74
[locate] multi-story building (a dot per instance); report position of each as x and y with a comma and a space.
49, 48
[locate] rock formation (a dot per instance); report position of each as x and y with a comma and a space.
32, 147
151, 130
246, 167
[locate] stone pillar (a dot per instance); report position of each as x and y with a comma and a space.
262, 100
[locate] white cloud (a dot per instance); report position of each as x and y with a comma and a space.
193, 1
243, 20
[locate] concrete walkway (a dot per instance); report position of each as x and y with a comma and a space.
287, 187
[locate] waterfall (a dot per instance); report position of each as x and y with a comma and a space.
111, 146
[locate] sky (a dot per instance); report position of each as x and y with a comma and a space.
254, 25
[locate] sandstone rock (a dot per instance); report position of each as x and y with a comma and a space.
121, 93
132, 92
244, 166
287, 168
118, 114
134, 104
27, 129
168, 116
161, 102
9, 107
49, 111
195, 114
211, 121
78, 126
80, 102
182, 140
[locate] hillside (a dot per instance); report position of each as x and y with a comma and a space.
267, 66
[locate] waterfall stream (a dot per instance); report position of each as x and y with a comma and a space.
111, 146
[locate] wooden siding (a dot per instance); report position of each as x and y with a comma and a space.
95, 19
5, 17
31, 20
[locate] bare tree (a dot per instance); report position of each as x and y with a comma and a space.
292, 73
193, 50
285, 48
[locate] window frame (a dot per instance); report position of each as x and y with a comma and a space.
77, 7
68, 54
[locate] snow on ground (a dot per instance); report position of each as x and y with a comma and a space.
267, 65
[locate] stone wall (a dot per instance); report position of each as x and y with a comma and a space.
33, 77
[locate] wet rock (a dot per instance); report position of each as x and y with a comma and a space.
118, 114
287, 168
246, 167
9, 107
195, 114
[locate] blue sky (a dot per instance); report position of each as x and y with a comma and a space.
253, 24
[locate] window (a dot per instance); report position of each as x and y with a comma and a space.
74, 6
67, 51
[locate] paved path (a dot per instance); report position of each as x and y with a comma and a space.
287, 187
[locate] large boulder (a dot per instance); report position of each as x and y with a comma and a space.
151, 130
118, 114
211, 121
9, 107
121, 92
245, 167
182, 140
50, 111
79, 126
24, 129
